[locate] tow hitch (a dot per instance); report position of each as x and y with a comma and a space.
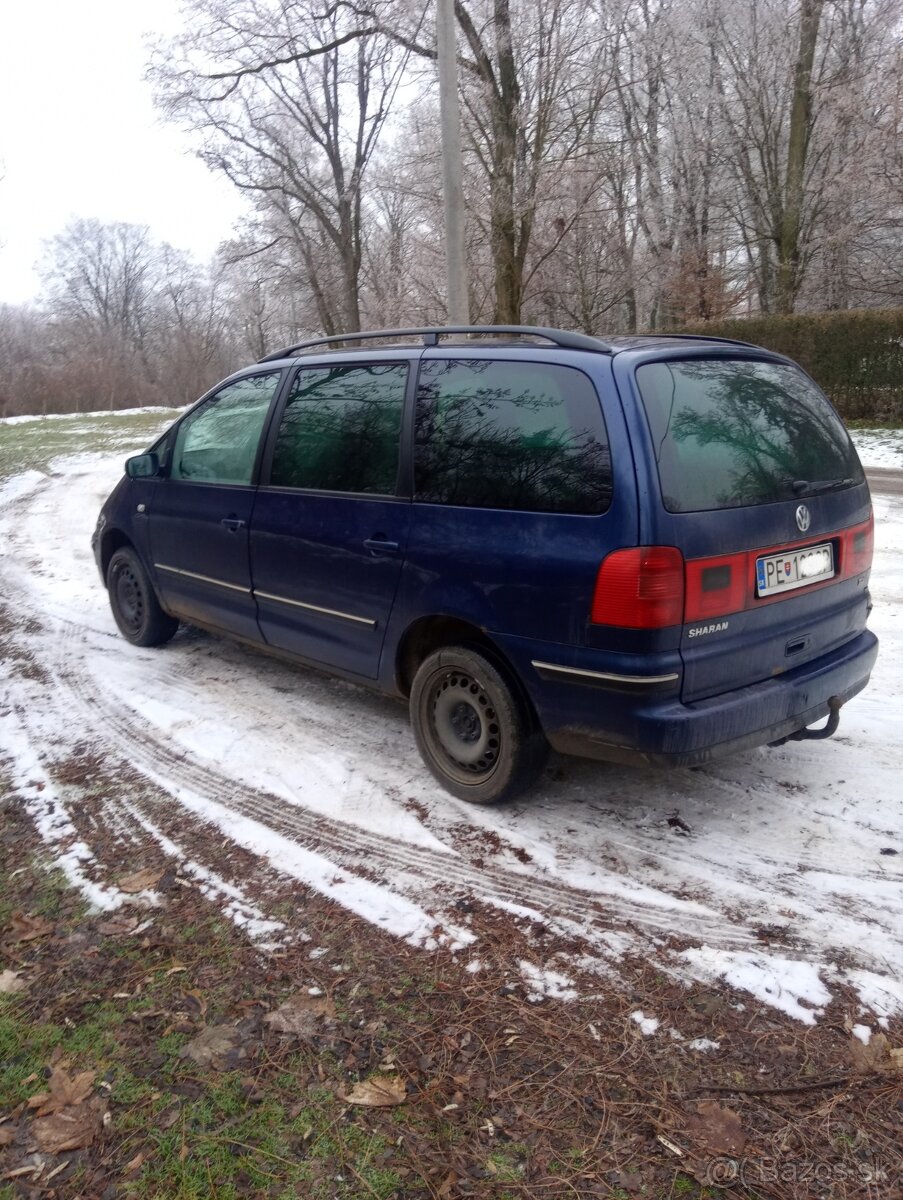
826, 731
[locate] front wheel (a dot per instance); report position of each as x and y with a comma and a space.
474, 732
134, 602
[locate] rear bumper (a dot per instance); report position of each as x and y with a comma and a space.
648, 728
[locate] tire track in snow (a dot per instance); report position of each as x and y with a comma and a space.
354, 848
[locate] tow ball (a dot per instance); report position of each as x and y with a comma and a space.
816, 735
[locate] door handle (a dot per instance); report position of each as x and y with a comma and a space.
233, 524
377, 545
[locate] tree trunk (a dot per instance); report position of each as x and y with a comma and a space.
797, 151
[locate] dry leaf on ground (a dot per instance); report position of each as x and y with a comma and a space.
7, 1135
716, 1128
869, 1057
73, 1128
301, 1015
378, 1093
62, 1091
10, 983
878, 1055
117, 926
25, 929
217, 1046
141, 881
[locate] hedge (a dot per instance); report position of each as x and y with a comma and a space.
856, 355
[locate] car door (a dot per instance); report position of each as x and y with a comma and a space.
330, 528
199, 514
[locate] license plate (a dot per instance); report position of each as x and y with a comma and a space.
794, 569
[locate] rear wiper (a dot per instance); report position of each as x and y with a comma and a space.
812, 486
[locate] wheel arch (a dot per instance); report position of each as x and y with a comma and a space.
429, 633
112, 540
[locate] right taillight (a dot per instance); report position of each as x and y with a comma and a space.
858, 546
640, 588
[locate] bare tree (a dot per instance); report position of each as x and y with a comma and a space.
293, 129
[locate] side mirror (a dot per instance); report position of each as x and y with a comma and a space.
142, 466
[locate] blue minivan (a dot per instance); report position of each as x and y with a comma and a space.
645, 549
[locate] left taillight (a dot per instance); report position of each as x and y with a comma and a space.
641, 587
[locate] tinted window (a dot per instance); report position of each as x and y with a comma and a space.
340, 429
217, 443
729, 432
510, 435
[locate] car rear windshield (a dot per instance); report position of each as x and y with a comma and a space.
734, 432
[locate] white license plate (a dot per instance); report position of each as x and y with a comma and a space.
794, 569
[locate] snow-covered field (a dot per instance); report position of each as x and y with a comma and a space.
880, 447
783, 874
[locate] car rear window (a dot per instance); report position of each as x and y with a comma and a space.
735, 432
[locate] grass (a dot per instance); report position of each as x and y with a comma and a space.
294, 1140
32, 445
222, 1144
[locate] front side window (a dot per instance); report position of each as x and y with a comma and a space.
217, 443
341, 428
733, 432
514, 435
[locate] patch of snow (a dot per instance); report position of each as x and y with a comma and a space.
542, 982
391, 912
880, 994
234, 904
648, 1025
473, 966
703, 1044
879, 447
18, 486
863, 1032
95, 414
783, 983
52, 821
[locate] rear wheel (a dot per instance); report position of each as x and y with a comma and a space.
134, 602
474, 732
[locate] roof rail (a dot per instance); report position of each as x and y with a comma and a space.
431, 336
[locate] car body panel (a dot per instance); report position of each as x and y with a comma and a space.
201, 565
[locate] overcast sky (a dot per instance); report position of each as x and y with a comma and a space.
79, 136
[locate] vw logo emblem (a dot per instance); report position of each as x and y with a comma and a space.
803, 519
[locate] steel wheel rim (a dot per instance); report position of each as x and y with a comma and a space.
130, 598
463, 725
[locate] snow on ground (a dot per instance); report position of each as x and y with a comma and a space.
788, 883
19, 486
96, 415
879, 447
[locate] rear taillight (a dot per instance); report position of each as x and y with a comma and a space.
857, 548
640, 588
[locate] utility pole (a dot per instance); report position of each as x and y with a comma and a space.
452, 172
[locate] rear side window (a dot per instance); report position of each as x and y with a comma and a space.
734, 432
340, 429
510, 435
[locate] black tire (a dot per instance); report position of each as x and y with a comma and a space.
134, 602
474, 732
